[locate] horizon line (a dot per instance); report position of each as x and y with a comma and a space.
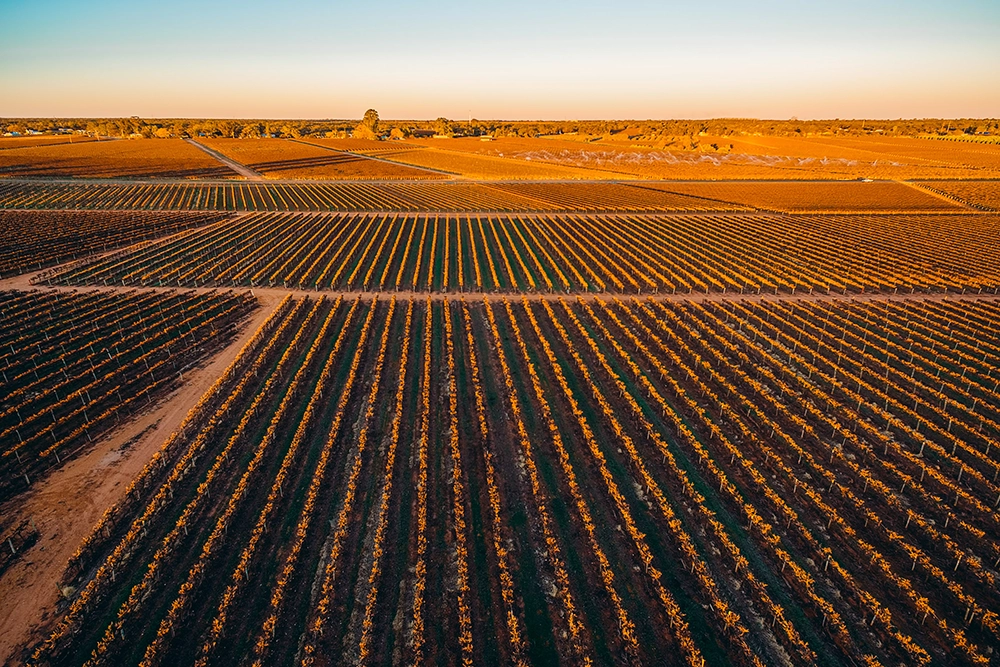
793, 119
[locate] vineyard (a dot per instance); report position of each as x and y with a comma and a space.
984, 195
498, 423
318, 196
586, 481
820, 197
76, 365
831, 197
37, 239
639, 254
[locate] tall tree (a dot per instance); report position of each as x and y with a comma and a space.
368, 127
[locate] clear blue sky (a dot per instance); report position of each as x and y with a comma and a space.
520, 59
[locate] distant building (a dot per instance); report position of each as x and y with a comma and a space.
423, 134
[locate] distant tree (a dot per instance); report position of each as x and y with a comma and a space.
442, 125
368, 127
229, 128
251, 131
399, 133
208, 128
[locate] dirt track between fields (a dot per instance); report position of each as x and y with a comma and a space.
68, 503
241, 169
24, 282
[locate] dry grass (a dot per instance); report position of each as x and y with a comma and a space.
280, 158
138, 158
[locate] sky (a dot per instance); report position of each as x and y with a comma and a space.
519, 60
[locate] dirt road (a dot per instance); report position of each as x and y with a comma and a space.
241, 169
66, 505
24, 282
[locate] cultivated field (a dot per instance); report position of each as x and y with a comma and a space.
493, 167
436, 196
706, 157
76, 365
702, 157
983, 195
820, 197
42, 140
119, 158
37, 239
567, 253
280, 158
820, 489
363, 146
501, 422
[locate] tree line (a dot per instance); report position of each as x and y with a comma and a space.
663, 132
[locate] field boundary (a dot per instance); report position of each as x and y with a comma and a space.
25, 282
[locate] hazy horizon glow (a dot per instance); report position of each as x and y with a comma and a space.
520, 60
